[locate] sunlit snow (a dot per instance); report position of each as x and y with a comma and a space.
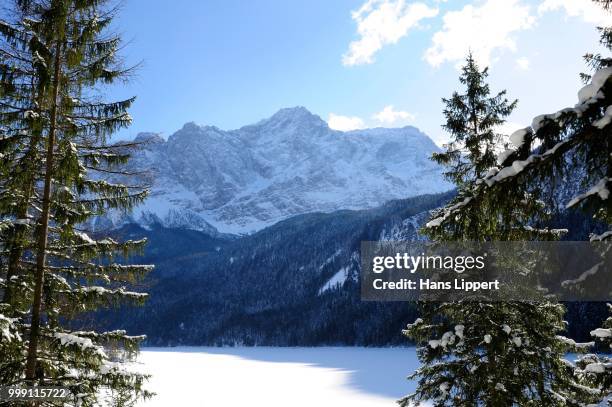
278, 377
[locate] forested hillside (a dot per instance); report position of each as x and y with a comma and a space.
295, 283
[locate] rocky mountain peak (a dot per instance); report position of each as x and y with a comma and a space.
296, 118
149, 138
243, 180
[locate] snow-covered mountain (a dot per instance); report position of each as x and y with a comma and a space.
292, 163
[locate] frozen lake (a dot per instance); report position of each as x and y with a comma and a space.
275, 377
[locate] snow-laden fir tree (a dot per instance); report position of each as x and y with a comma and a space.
556, 146
594, 132
472, 121
57, 57
20, 158
492, 353
596, 369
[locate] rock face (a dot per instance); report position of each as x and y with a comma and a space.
243, 180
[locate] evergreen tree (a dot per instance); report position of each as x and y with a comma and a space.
21, 79
19, 151
492, 353
471, 121
597, 61
590, 126
557, 146
597, 369
53, 109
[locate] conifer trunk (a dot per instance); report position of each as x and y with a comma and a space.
44, 225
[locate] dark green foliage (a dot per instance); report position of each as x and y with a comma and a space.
567, 150
506, 354
472, 119
597, 369
55, 57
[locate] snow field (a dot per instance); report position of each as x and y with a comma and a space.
271, 377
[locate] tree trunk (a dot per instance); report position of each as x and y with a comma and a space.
41, 256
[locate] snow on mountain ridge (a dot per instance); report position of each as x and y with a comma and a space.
242, 180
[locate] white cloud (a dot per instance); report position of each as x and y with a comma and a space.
383, 22
344, 123
589, 11
523, 64
482, 29
389, 116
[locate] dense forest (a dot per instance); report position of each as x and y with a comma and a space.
271, 288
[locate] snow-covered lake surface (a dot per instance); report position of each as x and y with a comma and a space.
275, 377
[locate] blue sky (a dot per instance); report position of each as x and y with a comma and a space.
357, 62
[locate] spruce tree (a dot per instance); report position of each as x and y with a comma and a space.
596, 369
69, 54
591, 133
472, 120
572, 145
18, 158
492, 353
21, 82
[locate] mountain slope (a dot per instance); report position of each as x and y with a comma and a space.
243, 180
294, 283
